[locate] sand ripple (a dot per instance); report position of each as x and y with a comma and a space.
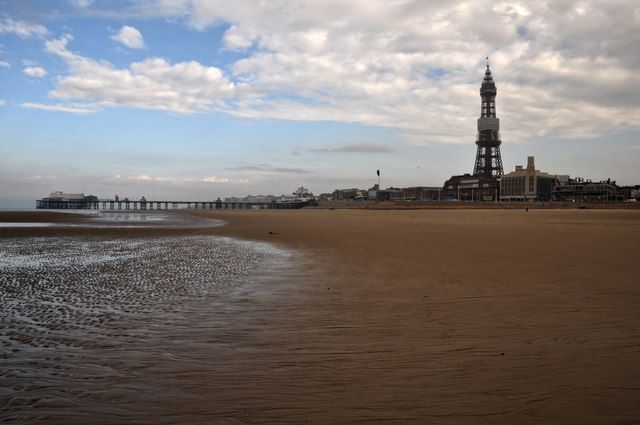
86, 321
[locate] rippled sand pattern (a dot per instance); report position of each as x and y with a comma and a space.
97, 331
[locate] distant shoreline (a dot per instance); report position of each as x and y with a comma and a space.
404, 205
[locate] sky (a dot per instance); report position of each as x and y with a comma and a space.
200, 99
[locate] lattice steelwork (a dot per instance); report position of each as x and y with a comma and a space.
488, 160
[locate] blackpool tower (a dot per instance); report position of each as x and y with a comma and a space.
488, 161
484, 183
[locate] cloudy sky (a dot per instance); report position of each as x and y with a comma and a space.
199, 99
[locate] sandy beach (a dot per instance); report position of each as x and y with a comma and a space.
426, 316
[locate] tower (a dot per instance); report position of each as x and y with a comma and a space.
488, 160
484, 183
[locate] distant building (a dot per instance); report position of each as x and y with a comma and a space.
252, 199
527, 184
483, 185
381, 195
62, 196
349, 195
302, 193
416, 193
579, 190
629, 193
471, 188
66, 201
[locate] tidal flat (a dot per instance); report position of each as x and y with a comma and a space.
95, 330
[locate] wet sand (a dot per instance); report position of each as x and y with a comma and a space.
421, 316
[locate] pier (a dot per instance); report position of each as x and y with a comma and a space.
144, 205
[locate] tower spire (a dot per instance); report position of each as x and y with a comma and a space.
488, 159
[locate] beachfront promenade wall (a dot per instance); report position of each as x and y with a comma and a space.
161, 205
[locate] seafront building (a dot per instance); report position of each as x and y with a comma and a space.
414, 193
300, 194
527, 184
252, 198
579, 190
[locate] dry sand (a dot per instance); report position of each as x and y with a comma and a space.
438, 316
476, 316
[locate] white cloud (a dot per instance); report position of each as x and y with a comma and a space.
31, 179
426, 139
348, 61
265, 168
130, 37
5, 64
409, 64
76, 108
364, 147
81, 3
179, 181
35, 71
39, 178
234, 38
21, 28
154, 83
2, 102
214, 179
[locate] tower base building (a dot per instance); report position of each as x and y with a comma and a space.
469, 187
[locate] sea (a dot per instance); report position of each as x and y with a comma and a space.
130, 330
